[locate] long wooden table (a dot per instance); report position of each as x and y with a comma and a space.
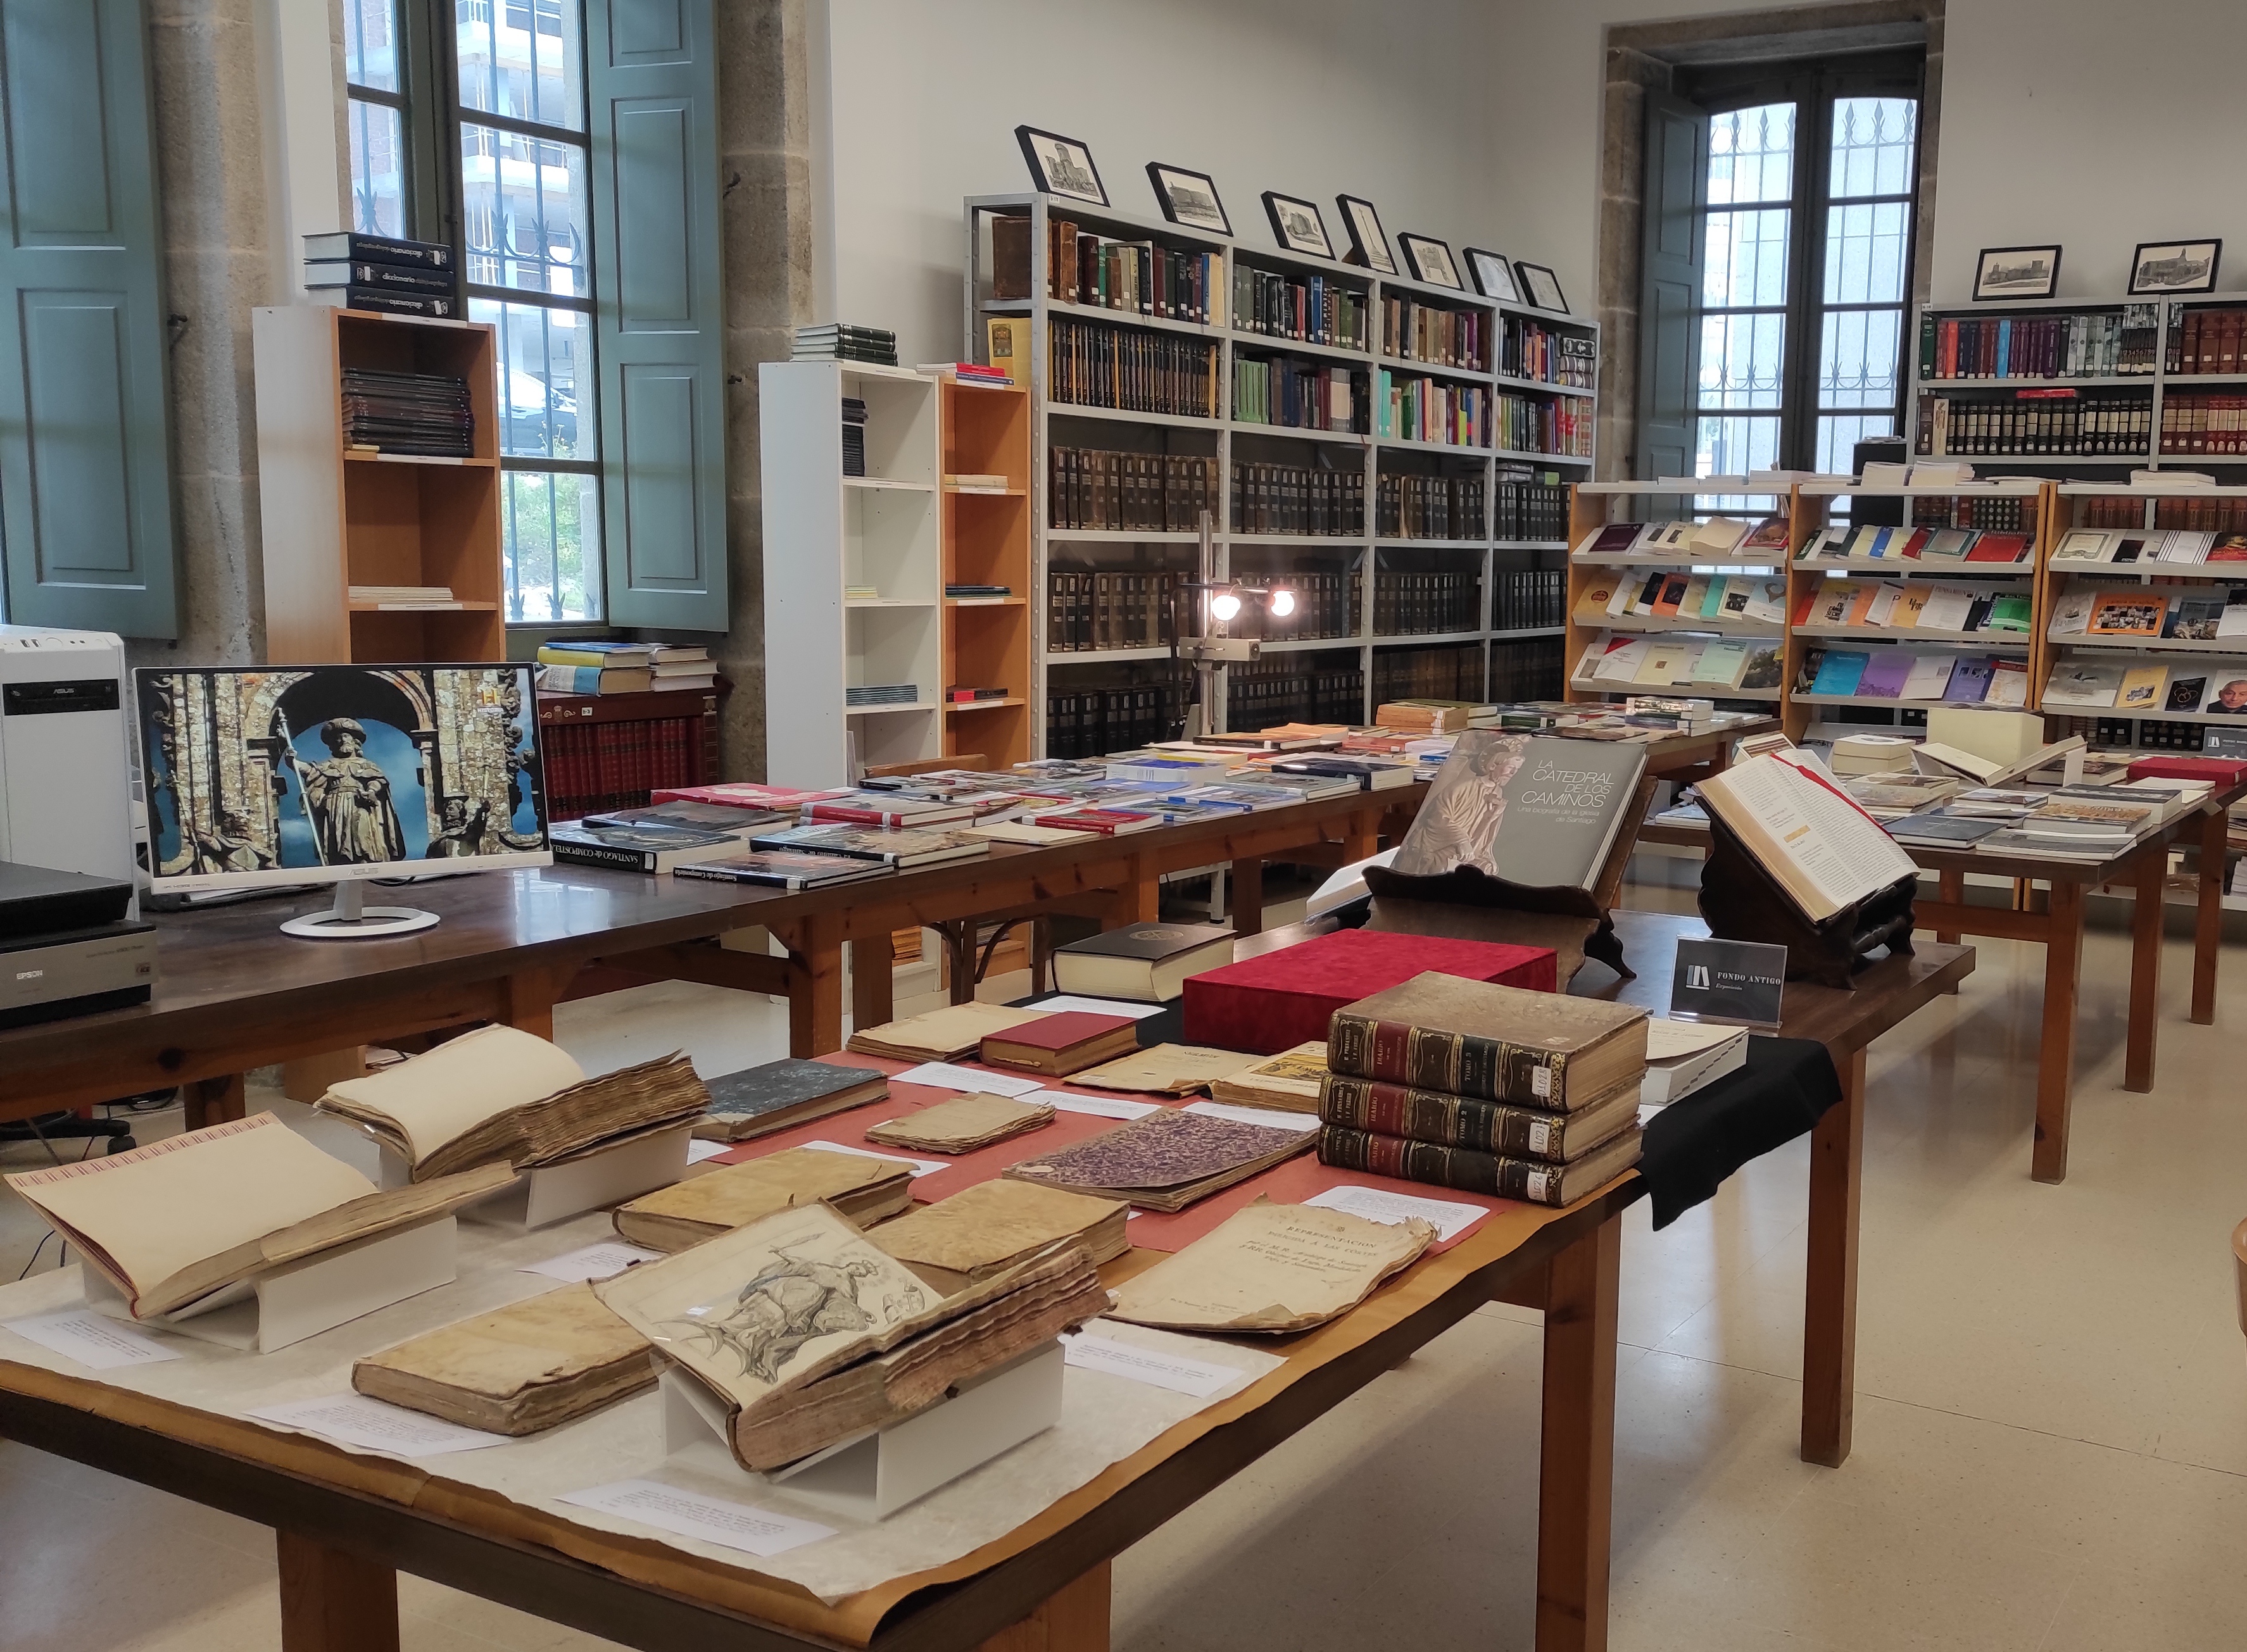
233, 993
1846, 1023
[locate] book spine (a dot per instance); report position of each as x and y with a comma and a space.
1489, 1070
634, 860
1459, 1167
1449, 1121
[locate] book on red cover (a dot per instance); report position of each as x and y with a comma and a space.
1273, 1002
1990, 547
1060, 1044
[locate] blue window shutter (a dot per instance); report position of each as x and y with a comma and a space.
652, 81
85, 471
1670, 286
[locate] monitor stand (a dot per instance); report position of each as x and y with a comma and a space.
351, 919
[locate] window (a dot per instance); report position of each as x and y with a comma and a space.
374, 77
526, 252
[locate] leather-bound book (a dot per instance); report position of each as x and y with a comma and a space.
1488, 1127
1058, 1044
1494, 1043
686, 1213
523, 1368
1531, 1180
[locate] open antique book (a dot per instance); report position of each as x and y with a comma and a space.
173, 1222
810, 1333
500, 1095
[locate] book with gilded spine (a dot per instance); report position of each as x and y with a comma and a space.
1532, 1180
1489, 1042
1488, 1127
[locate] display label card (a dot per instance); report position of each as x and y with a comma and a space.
734, 1525
1065, 1001
353, 1419
944, 1076
1270, 1118
1091, 1353
1449, 1218
2224, 742
1739, 983
920, 1166
1094, 1106
94, 1340
699, 1150
601, 1261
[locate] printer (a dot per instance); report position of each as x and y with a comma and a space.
67, 946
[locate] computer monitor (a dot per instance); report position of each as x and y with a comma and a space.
291, 774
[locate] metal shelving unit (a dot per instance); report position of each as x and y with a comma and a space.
1239, 553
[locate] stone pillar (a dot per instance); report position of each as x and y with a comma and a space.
1622, 187
765, 173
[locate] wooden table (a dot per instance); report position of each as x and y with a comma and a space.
2058, 926
233, 993
347, 1524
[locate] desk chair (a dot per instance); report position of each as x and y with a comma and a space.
47, 1129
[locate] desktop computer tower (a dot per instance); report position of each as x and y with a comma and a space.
66, 758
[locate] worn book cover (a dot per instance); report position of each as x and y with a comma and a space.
1531, 809
1164, 1161
759, 1100
1494, 1043
865, 1190
550, 1359
1288, 1082
1165, 1070
993, 1226
1272, 1268
1488, 1127
1470, 1172
962, 1124
940, 1035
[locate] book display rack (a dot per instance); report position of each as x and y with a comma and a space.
986, 572
1396, 455
2083, 383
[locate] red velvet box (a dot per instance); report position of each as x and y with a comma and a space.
1280, 999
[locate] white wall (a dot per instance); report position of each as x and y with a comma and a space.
2088, 122
1311, 98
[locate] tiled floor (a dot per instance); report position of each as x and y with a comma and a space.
2051, 1413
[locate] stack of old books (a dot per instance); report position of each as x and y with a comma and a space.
1468, 1084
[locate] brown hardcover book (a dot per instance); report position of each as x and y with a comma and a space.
1488, 1127
671, 1218
1492, 1043
549, 1359
986, 1229
1059, 1045
1010, 256
1288, 1082
962, 1124
1470, 1172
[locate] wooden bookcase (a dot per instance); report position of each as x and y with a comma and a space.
986, 542
609, 751
1494, 569
333, 518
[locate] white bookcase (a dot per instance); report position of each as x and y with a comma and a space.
1366, 555
825, 533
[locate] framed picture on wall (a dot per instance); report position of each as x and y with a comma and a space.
1297, 224
1429, 260
1368, 245
2174, 266
1542, 287
1189, 198
1494, 274
1062, 166
2017, 272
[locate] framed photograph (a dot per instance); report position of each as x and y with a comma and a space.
1297, 224
1062, 166
1368, 245
1189, 198
2017, 272
1493, 275
1429, 260
2175, 266
1542, 287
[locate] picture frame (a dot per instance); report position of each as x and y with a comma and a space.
1189, 198
1493, 273
2016, 272
1369, 242
1429, 262
2158, 268
1297, 224
1062, 166
1540, 287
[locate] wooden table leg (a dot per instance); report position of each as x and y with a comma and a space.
873, 1002
1829, 1305
214, 1100
2207, 929
1361, 835
1140, 900
1953, 888
331, 1602
814, 993
1575, 1467
531, 996
1248, 897
959, 959
2063, 973
2146, 968
1072, 1619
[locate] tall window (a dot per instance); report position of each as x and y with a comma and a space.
526, 250
1807, 270
374, 77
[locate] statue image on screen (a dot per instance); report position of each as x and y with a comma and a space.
353, 821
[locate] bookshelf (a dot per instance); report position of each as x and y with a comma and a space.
986, 542
335, 517
1348, 434
828, 536
608, 751
2165, 379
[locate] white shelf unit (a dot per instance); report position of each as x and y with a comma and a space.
2160, 383
823, 532
1363, 556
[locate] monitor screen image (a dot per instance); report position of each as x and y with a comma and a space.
318, 774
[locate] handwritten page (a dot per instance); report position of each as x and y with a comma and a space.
1449, 1218
593, 1262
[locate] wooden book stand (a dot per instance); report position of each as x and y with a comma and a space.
1741, 901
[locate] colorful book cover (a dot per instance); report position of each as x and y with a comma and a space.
2128, 613
2142, 687
1970, 682
1911, 602
1766, 667
2009, 683
1721, 665
1840, 671
1883, 677
2010, 610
